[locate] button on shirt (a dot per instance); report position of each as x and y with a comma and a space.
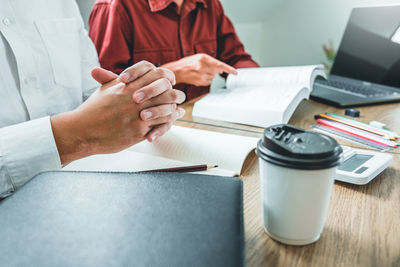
128, 31
45, 58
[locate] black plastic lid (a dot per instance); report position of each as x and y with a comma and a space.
292, 147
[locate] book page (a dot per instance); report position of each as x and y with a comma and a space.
124, 161
201, 147
130, 161
258, 106
178, 148
259, 96
296, 76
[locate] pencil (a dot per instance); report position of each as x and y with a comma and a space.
392, 135
193, 168
357, 125
356, 132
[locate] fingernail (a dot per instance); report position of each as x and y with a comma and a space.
153, 137
147, 115
125, 76
181, 112
139, 96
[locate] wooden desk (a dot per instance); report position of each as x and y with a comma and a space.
363, 223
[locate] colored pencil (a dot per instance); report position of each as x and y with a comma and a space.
357, 133
193, 168
355, 125
362, 125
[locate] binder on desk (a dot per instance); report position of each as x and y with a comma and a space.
123, 219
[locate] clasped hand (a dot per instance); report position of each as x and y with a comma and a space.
139, 104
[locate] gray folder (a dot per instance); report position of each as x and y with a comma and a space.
123, 219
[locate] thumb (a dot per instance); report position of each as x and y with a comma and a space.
103, 76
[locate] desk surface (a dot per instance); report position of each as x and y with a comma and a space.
363, 223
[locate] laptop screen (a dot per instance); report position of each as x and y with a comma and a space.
370, 48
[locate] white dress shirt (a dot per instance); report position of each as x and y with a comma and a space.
45, 61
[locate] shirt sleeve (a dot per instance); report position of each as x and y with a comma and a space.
26, 149
230, 48
110, 21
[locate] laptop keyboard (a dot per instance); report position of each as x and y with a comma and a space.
361, 90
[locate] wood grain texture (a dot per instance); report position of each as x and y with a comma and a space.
363, 222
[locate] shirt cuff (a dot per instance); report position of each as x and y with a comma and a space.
27, 149
247, 63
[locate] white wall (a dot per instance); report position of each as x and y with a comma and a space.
248, 18
285, 32
295, 33
85, 6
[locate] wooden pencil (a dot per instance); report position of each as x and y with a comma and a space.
193, 168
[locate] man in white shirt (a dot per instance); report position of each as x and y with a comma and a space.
46, 61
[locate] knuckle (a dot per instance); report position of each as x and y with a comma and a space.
157, 112
166, 83
148, 89
198, 67
173, 95
146, 64
173, 108
169, 117
161, 71
158, 74
165, 72
170, 73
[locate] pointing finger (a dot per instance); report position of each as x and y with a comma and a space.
220, 66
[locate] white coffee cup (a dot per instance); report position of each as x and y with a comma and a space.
296, 175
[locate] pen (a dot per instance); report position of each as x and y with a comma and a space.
358, 133
193, 168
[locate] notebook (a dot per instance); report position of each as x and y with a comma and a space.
181, 146
260, 96
123, 219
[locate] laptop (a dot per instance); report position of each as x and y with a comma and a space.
366, 69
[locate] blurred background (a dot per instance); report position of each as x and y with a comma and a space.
285, 32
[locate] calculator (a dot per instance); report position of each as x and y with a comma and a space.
360, 166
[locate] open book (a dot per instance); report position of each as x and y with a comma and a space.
180, 147
260, 96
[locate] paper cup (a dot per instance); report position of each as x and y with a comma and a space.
296, 176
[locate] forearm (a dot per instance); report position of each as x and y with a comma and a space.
68, 137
